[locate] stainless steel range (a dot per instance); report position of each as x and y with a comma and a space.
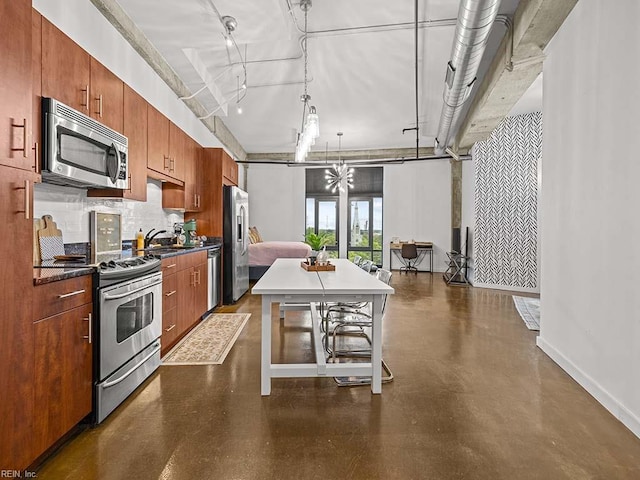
129, 308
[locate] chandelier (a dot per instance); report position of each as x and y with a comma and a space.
340, 174
310, 125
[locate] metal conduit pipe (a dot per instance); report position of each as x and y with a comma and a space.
475, 19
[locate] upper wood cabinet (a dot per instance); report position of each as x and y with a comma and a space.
177, 145
15, 85
189, 196
107, 96
135, 129
36, 86
66, 69
72, 76
229, 170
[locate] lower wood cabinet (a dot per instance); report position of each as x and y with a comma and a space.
184, 299
63, 358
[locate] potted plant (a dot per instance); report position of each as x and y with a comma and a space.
316, 242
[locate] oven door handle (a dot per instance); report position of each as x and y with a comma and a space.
132, 369
122, 295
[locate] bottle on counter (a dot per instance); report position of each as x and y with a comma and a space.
140, 243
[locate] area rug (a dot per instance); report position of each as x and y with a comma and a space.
529, 310
210, 342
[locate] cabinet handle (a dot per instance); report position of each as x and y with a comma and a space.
170, 266
195, 200
167, 162
99, 100
129, 183
25, 138
27, 195
168, 294
66, 295
37, 156
170, 328
198, 196
172, 164
90, 335
198, 272
86, 97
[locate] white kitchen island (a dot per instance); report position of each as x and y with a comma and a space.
287, 282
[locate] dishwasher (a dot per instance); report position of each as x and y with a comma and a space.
213, 278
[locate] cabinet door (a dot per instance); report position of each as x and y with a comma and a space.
36, 86
176, 152
63, 374
193, 176
201, 291
16, 323
229, 170
107, 96
135, 129
157, 141
186, 295
169, 329
15, 84
65, 69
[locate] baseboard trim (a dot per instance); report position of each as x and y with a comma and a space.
617, 409
510, 288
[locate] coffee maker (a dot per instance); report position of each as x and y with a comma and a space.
189, 229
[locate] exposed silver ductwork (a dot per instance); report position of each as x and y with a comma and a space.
475, 19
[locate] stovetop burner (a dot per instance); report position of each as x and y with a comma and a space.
115, 271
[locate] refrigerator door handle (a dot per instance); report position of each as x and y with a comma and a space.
241, 228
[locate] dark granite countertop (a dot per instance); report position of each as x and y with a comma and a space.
166, 251
47, 272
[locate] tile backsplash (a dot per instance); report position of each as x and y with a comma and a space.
70, 209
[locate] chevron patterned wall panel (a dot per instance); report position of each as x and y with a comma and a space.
506, 203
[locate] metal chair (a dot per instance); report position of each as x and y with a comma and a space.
357, 324
409, 254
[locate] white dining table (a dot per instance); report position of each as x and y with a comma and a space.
286, 282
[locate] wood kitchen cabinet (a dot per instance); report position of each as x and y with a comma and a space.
16, 325
184, 295
187, 198
72, 76
66, 69
177, 142
107, 96
217, 166
15, 85
169, 304
36, 87
135, 129
63, 358
63, 373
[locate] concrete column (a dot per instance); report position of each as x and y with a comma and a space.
456, 194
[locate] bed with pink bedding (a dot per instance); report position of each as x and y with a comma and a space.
263, 254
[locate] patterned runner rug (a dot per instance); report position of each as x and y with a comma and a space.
210, 342
529, 310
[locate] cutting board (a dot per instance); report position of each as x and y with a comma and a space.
38, 224
50, 239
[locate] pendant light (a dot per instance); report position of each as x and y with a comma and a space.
340, 174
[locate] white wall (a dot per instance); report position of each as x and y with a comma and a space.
590, 314
85, 25
417, 205
276, 201
70, 209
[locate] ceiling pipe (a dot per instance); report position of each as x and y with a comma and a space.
475, 19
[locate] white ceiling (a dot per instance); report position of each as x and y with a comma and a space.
361, 79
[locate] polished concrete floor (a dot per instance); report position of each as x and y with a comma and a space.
473, 398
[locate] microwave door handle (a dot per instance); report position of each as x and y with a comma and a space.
116, 173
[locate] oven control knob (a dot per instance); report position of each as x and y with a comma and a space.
111, 264
103, 266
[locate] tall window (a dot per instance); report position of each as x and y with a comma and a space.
322, 210
365, 215
364, 212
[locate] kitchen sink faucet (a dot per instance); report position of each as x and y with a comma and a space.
147, 238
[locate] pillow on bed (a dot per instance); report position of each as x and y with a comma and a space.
254, 235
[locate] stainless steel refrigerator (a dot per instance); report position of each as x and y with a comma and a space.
235, 256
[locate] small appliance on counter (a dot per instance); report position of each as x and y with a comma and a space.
191, 238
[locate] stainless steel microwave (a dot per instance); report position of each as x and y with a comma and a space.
78, 151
